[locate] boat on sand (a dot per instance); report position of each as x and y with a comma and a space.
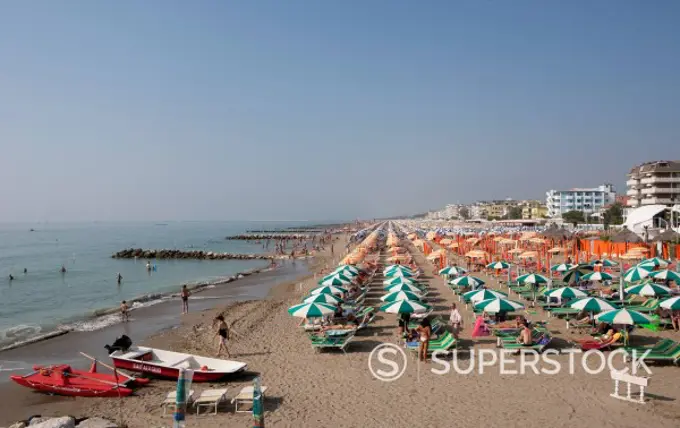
63, 380
166, 364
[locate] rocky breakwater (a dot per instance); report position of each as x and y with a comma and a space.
140, 253
265, 236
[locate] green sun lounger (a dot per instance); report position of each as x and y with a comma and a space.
649, 305
322, 342
660, 346
446, 343
536, 345
556, 312
672, 354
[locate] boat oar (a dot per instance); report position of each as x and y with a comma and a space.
138, 380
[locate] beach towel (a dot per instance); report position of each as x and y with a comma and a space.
480, 328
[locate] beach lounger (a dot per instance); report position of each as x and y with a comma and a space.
170, 402
562, 311
245, 396
660, 346
445, 343
672, 354
591, 344
210, 398
322, 342
536, 334
538, 345
649, 305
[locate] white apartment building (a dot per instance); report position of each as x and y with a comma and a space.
653, 183
588, 201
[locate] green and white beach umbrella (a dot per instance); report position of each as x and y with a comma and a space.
604, 262
498, 265
648, 289
467, 281
398, 273
635, 274
405, 287
623, 316
401, 295
497, 305
329, 299
532, 278
577, 273
666, 275
311, 310
592, 304
597, 276
565, 293
396, 268
335, 280
452, 270
653, 262
405, 307
328, 289
347, 268
479, 295
562, 267
399, 280
673, 303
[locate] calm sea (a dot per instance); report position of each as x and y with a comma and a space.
44, 299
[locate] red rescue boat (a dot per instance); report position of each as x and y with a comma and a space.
64, 380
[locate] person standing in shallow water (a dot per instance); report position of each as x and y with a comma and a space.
185, 299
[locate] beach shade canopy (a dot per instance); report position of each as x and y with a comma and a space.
335, 280
673, 303
555, 250
329, 299
623, 316
476, 254
344, 275
328, 289
398, 272
667, 236
648, 289
626, 236
498, 265
597, 276
653, 262
562, 267
496, 305
635, 274
398, 280
666, 275
532, 278
452, 270
401, 295
347, 268
405, 307
404, 287
577, 273
399, 267
565, 293
467, 281
604, 262
479, 295
311, 310
592, 304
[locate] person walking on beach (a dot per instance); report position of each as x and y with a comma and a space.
223, 333
455, 320
124, 311
185, 299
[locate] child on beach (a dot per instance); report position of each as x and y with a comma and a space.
124, 311
185, 299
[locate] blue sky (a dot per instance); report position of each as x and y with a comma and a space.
293, 110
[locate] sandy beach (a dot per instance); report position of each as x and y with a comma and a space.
308, 388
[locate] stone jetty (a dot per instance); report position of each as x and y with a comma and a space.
264, 236
131, 253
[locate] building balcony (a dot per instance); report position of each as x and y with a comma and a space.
657, 201
632, 182
632, 192
655, 180
633, 203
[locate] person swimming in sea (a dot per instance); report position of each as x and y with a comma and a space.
63, 269
11, 277
119, 278
25, 271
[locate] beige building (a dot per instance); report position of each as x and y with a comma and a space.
534, 210
653, 183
